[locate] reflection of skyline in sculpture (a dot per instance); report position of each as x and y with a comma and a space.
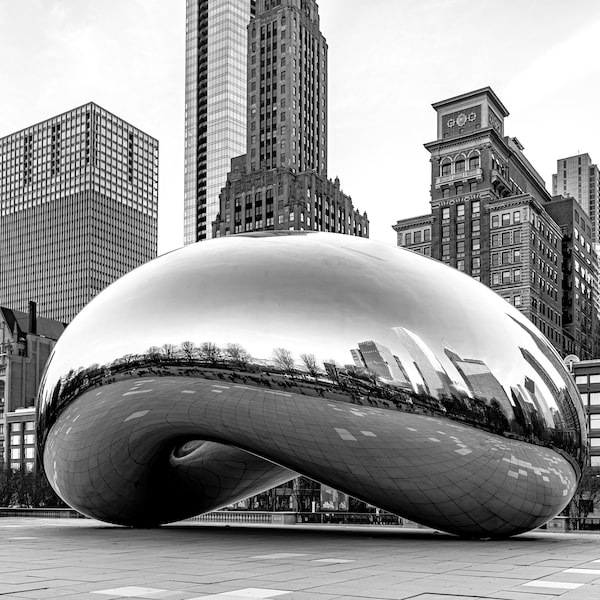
480, 381
426, 365
379, 358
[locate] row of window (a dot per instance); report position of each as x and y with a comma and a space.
460, 210
506, 277
460, 247
506, 218
449, 167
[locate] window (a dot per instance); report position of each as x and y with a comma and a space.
475, 207
445, 231
516, 275
408, 238
505, 277
495, 221
517, 255
581, 379
594, 421
495, 279
475, 226
595, 399
476, 262
517, 216
517, 300
460, 229
505, 219
474, 162
427, 235
459, 166
418, 237
460, 210
446, 168
495, 240
506, 238
446, 193
445, 250
460, 247
473, 186
495, 259
475, 244
460, 265
445, 213
516, 237
595, 378
506, 258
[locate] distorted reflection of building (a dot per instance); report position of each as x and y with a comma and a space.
379, 359
480, 381
436, 381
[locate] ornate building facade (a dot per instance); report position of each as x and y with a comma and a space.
281, 182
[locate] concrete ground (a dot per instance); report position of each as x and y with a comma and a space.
77, 558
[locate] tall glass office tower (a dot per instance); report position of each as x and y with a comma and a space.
78, 209
215, 105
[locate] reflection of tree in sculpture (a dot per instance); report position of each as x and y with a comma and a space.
210, 352
237, 355
189, 350
310, 363
284, 360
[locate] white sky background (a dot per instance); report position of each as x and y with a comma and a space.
389, 60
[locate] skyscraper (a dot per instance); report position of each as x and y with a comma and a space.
78, 209
215, 105
281, 182
578, 177
488, 216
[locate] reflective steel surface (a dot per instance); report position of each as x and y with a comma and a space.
226, 367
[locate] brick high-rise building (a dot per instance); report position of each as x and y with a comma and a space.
78, 209
26, 342
579, 278
215, 105
281, 182
488, 216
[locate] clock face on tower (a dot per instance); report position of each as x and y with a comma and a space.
461, 121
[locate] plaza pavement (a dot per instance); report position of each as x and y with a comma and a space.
80, 558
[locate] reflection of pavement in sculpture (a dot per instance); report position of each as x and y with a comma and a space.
142, 428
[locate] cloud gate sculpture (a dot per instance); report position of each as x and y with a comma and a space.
227, 367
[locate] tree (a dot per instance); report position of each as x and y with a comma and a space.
237, 354
167, 352
189, 350
210, 352
310, 363
284, 360
585, 498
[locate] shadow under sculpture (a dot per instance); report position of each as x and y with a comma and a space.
227, 367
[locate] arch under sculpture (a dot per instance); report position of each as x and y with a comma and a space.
227, 367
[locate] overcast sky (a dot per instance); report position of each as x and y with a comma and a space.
389, 60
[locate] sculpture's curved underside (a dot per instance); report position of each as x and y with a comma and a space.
227, 367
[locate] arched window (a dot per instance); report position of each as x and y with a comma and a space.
474, 161
446, 167
459, 165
